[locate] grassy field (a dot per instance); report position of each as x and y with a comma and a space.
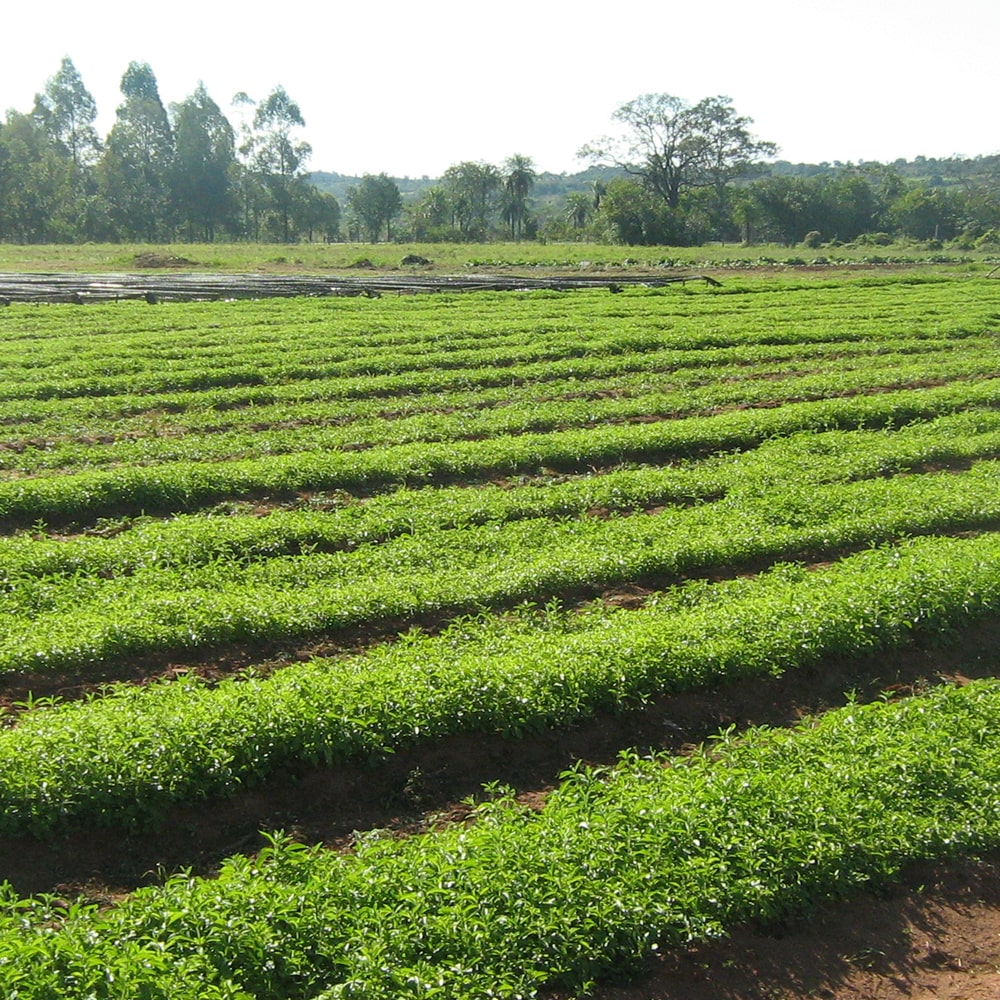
259, 546
452, 258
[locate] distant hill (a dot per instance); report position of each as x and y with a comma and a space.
339, 184
933, 170
548, 186
552, 188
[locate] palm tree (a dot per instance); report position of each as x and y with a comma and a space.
518, 182
578, 208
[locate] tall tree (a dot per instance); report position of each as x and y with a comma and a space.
68, 111
579, 206
925, 213
37, 200
203, 172
375, 202
786, 208
430, 214
279, 156
138, 161
633, 214
729, 151
519, 179
316, 211
251, 192
672, 145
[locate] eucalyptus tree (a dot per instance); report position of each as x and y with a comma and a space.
139, 159
37, 202
278, 156
203, 175
67, 111
518, 180
251, 193
729, 152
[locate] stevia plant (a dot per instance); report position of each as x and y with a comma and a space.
121, 758
646, 854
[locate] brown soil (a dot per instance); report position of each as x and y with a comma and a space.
934, 935
151, 259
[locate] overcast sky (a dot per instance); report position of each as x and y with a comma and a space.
411, 87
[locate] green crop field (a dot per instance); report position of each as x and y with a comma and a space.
255, 545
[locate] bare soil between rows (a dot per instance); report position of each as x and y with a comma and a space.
935, 934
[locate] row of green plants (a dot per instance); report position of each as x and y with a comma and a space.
648, 853
390, 396
755, 526
316, 334
646, 324
190, 485
123, 757
335, 430
69, 622
329, 522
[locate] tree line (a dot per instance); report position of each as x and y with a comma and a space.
694, 173
675, 173
180, 173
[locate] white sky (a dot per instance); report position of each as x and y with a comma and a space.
411, 87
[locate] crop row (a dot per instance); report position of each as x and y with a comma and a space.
88, 368
69, 622
908, 298
334, 522
121, 757
185, 486
336, 431
421, 391
894, 493
246, 370
649, 853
